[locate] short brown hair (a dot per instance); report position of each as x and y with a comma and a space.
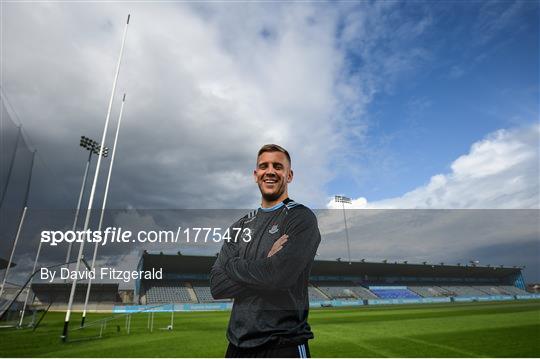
273, 148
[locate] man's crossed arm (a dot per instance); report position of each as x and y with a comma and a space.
232, 276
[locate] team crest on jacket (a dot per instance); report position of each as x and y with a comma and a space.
274, 229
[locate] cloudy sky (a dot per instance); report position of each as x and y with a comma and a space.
396, 105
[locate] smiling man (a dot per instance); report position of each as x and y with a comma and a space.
267, 272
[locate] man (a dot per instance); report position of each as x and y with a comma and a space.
267, 270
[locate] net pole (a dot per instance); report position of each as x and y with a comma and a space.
104, 205
30, 284
92, 192
75, 220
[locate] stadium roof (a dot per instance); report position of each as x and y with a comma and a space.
201, 265
4, 264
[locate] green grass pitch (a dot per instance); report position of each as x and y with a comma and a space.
496, 329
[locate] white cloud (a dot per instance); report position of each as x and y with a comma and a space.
205, 89
207, 85
499, 172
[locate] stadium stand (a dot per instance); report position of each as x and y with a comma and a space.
364, 293
202, 291
491, 290
513, 290
343, 290
167, 291
186, 281
392, 292
315, 294
337, 290
203, 294
466, 291
430, 291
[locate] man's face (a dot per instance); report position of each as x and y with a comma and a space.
272, 174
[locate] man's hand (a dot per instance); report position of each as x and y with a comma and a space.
278, 245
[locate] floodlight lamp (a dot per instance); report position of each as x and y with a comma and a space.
342, 199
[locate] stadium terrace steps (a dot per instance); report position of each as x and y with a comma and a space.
204, 295
178, 291
464, 291
343, 290
443, 291
429, 291
167, 292
315, 294
513, 290
364, 293
491, 290
191, 292
393, 292
337, 290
